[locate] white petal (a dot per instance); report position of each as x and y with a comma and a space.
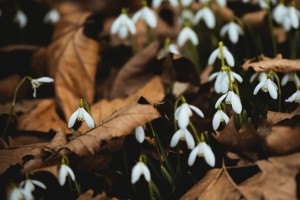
29, 186
221, 3
21, 18
224, 116
193, 155
44, 80
197, 110
228, 56
213, 76
209, 18
209, 155
258, 87
213, 56
88, 119
39, 183
189, 139
146, 172
173, 49
219, 100
137, 16
294, 18
236, 103
177, 111
123, 32
175, 138
233, 34
150, 17
272, 90
216, 120
70, 172
186, 3
115, 26
253, 77
73, 119
199, 15
292, 98
136, 173
237, 77
224, 30
173, 2
182, 37
193, 37
139, 134
62, 174
156, 3
130, 25
183, 119
285, 79
279, 12
15, 194
225, 84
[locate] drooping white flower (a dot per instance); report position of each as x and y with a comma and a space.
82, 115
291, 18
233, 99
147, 15
219, 78
290, 77
261, 76
16, 194
139, 169
52, 16
217, 53
264, 4
186, 15
233, 30
203, 150
157, 3
187, 34
63, 172
267, 86
123, 25
139, 134
207, 15
20, 18
38, 82
219, 117
279, 12
183, 113
28, 184
295, 97
186, 3
183, 134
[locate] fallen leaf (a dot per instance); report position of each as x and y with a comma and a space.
255, 19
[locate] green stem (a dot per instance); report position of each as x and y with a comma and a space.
156, 143
194, 130
270, 22
13, 104
221, 53
150, 190
279, 90
195, 57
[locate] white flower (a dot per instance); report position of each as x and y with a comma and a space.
139, 134
52, 16
207, 15
233, 30
262, 76
290, 77
28, 185
139, 169
291, 18
38, 82
183, 134
20, 18
183, 113
204, 150
221, 3
267, 86
264, 4
279, 12
187, 34
186, 15
169, 48
295, 97
222, 80
231, 98
227, 56
186, 3
147, 15
16, 194
219, 117
157, 3
123, 25
63, 172
82, 115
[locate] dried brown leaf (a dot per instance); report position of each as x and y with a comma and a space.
255, 19
277, 65
89, 195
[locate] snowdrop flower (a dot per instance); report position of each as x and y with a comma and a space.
219, 78
169, 48
261, 76
233, 30
186, 15
16, 193
63, 172
183, 134
295, 97
291, 18
186, 3
28, 185
139, 134
264, 4
20, 18
157, 3
279, 12
267, 86
38, 82
202, 150
207, 15
183, 113
219, 117
52, 16
290, 77
82, 115
123, 25
217, 53
187, 34
139, 169
233, 99
145, 14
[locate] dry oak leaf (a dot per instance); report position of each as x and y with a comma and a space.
152, 91
42, 118
276, 180
71, 59
244, 140
276, 64
119, 124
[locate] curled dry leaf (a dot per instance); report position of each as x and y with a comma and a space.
244, 140
106, 139
276, 64
255, 19
71, 59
